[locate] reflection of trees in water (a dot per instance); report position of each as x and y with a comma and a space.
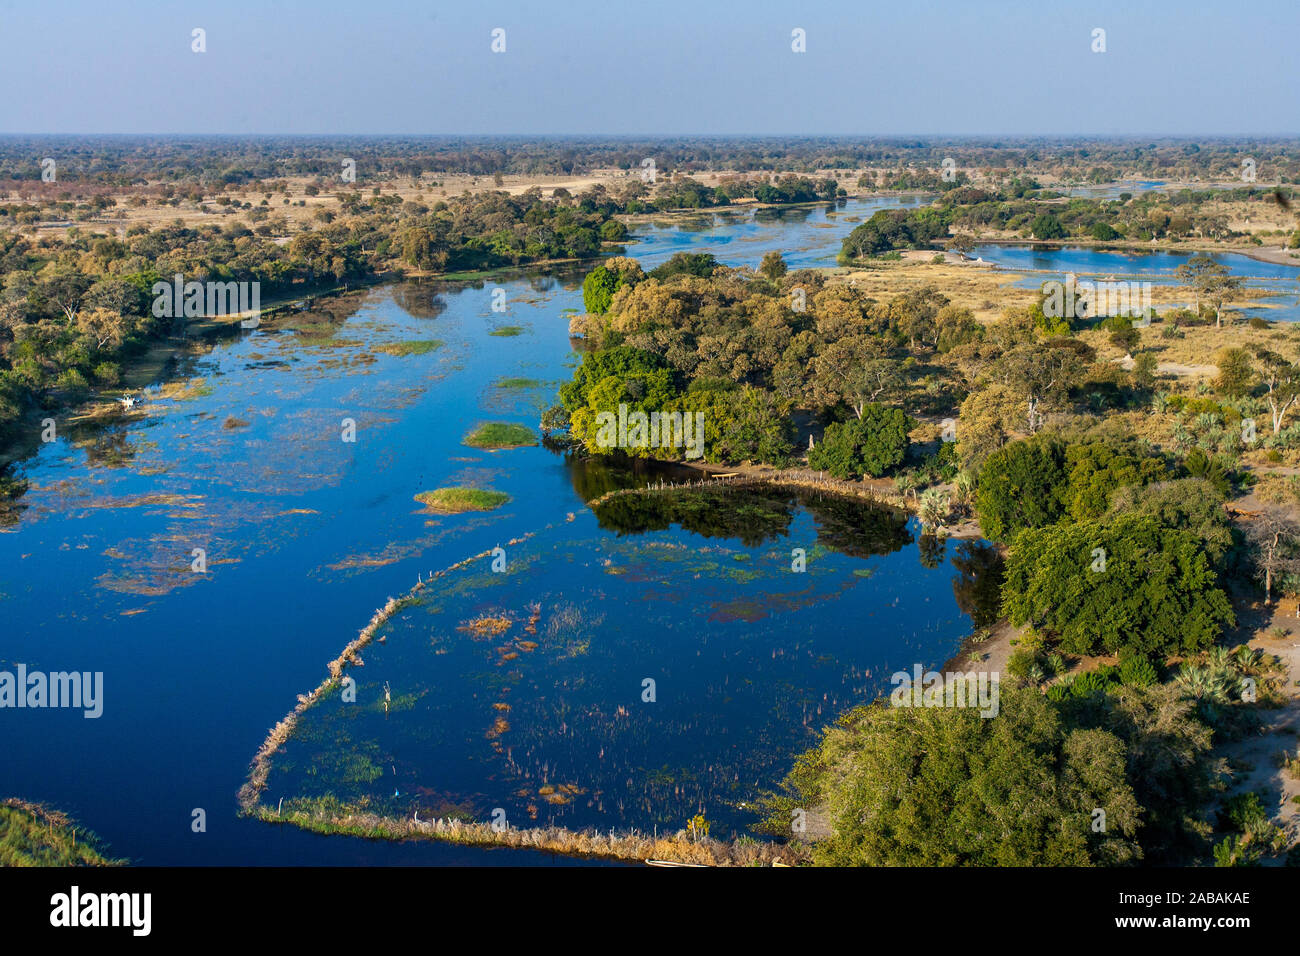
856, 528
593, 476
420, 300
790, 216
753, 517
978, 584
12, 490
930, 547
107, 445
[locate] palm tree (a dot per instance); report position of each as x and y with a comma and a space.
934, 509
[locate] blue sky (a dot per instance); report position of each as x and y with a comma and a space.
661, 68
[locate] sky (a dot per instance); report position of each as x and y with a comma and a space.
667, 67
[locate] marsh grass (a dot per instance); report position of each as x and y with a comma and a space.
781, 483
330, 816
507, 331
518, 384
501, 435
460, 500
414, 347
34, 835
263, 761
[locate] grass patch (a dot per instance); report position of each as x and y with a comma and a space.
32, 835
414, 347
519, 384
454, 501
501, 435
508, 330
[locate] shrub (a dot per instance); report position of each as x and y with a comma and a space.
870, 445
1103, 586
1137, 671
108, 373
1022, 486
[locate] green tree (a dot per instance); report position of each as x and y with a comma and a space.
1047, 226
1096, 469
598, 290
1101, 586
869, 445
1236, 376
1022, 486
941, 786
773, 265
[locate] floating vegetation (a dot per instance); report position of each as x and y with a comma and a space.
459, 500
260, 768
501, 435
520, 698
232, 423
184, 391
518, 384
413, 347
486, 626
506, 331
34, 835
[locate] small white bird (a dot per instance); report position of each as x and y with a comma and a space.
128, 401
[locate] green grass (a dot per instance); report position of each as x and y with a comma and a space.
414, 347
454, 501
508, 330
519, 383
31, 835
501, 435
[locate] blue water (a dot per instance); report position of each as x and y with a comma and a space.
747, 659
305, 534
1157, 267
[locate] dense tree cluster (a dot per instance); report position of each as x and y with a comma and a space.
772, 346
941, 786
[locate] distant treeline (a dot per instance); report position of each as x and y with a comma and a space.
136, 160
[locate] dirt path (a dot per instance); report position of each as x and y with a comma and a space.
1255, 760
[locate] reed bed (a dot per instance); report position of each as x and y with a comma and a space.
260, 768
331, 817
335, 818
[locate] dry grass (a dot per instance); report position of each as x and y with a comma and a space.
331, 817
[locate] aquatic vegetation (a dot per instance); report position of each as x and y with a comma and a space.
459, 500
331, 816
34, 835
486, 626
507, 331
518, 383
501, 435
184, 391
520, 701
413, 347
